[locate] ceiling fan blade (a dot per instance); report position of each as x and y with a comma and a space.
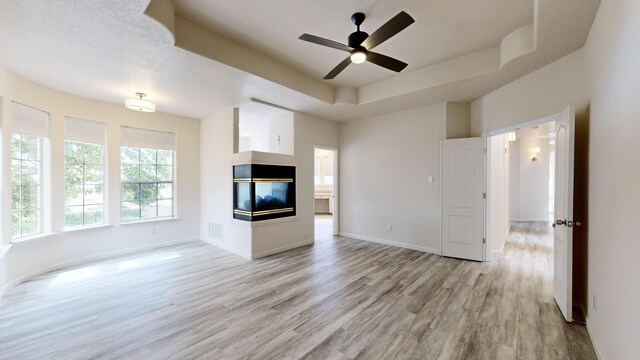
336, 70
325, 42
389, 29
385, 61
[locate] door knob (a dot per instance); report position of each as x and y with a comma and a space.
561, 222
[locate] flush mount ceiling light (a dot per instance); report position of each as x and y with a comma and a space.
139, 104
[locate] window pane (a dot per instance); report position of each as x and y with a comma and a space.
165, 173
16, 172
147, 172
73, 194
93, 154
73, 216
130, 155
16, 190
30, 222
29, 197
72, 152
130, 172
148, 193
73, 173
30, 172
147, 156
93, 194
93, 174
93, 215
165, 157
130, 192
16, 142
165, 191
130, 211
149, 210
165, 207
30, 147
15, 224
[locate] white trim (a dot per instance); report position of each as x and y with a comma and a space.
496, 254
594, 342
37, 236
391, 243
532, 219
84, 228
282, 249
252, 224
86, 259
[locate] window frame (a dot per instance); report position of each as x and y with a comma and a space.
83, 185
40, 195
157, 182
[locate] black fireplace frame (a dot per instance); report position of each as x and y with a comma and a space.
260, 173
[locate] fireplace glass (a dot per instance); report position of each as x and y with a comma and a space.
263, 192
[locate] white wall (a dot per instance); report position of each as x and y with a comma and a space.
498, 194
613, 57
529, 194
541, 93
30, 257
385, 162
281, 134
217, 186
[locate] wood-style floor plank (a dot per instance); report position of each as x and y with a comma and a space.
338, 299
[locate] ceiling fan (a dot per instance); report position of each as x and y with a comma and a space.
361, 44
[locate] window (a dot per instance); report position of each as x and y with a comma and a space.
30, 129
147, 168
84, 173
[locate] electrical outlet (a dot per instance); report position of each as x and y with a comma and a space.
595, 302
389, 227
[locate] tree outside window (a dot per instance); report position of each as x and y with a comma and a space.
147, 183
84, 184
26, 177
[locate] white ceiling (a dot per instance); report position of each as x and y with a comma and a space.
108, 50
542, 131
444, 29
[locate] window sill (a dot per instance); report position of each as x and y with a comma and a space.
33, 237
4, 248
81, 229
147, 221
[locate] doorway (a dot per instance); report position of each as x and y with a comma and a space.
325, 192
520, 183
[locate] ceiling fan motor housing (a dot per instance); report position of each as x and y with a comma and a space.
356, 38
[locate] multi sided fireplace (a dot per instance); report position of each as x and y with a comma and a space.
263, 192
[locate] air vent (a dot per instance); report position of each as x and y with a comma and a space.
215, 230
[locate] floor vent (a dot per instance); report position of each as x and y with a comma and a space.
215, 230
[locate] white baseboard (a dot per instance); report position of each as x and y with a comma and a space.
282, 249
594, 342
531, 220
228, 248
79, 261
496, 254
391, 243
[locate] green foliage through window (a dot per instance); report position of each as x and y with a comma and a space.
26, 168
84, 184
147, 183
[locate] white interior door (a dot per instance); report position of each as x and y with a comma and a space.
463, 198
563, 212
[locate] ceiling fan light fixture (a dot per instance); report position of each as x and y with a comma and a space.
139, 104
358, 57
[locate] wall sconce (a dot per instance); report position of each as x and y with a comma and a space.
536, 153
511, 136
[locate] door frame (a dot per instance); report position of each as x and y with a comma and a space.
487, 135
336, 187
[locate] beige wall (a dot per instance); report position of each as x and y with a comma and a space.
385, 162
612, 56
31, 257
497, 194
529, 194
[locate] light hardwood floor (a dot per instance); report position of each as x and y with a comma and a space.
338, 299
